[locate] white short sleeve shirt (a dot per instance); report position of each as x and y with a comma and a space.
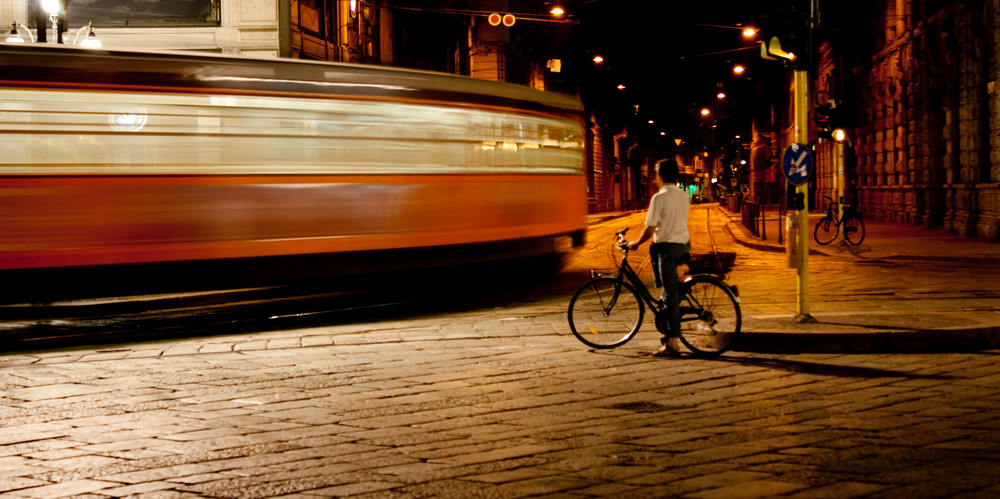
668, 212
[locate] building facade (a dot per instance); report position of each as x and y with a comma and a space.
916, 89
923, 115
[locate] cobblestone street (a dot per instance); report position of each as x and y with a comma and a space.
493, 407
498, 402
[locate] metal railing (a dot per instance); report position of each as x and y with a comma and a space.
753, 215
752, 218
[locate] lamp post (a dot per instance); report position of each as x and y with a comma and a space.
839, 136
54, 8
91, 41
798, 226
15, 36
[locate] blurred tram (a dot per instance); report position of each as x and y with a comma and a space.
123, 170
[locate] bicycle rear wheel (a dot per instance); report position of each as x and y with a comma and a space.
854, 230
605, 313
826, 230
710, 316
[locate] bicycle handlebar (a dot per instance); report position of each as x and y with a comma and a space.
622, 243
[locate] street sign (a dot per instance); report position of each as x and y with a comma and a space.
797, 164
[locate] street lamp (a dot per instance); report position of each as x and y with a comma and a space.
91, 41
15, 36
53, 7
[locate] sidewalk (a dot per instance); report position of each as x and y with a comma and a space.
939, 317
883, 240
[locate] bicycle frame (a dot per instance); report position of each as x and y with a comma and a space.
625, 271
831, 211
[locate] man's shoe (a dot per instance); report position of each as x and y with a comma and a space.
666, 351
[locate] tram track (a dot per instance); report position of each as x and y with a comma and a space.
28, 326
139, 318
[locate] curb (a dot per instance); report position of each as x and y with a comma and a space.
902, 341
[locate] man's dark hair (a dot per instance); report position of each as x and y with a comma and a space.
668, 170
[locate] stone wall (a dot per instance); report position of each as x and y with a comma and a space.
928, 133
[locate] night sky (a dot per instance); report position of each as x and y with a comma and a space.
674, 57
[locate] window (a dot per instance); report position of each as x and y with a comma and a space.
116, 13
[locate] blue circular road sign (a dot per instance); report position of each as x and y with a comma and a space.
797, 164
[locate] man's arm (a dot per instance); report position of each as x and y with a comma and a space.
647, 232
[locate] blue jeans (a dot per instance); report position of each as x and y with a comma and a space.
664, 258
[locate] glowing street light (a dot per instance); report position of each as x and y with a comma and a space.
739, 69
53, 7
15, 37
598, 59
621, 87
705, 111
720, 95
557, 11
749, 32
91, 41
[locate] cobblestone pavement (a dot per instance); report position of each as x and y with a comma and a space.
498, 402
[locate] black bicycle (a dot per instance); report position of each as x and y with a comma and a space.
828, 226
607, 312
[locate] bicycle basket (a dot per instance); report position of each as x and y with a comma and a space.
712, 263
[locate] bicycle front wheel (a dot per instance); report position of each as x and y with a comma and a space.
826, 230
710, 316
854, 230
605, 313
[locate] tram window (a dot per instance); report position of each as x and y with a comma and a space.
143, 12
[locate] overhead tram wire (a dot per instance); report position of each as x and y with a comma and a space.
485, 13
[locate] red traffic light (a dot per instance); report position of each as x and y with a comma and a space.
496, 19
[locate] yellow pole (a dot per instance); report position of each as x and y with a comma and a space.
802, 137
839, 165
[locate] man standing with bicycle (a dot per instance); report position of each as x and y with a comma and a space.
666, 222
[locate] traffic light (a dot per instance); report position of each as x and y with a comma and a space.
824, 119
828, 119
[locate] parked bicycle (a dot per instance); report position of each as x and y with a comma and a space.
607, 312
829, 226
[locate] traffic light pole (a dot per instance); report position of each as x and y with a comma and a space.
802, 190
798, 224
